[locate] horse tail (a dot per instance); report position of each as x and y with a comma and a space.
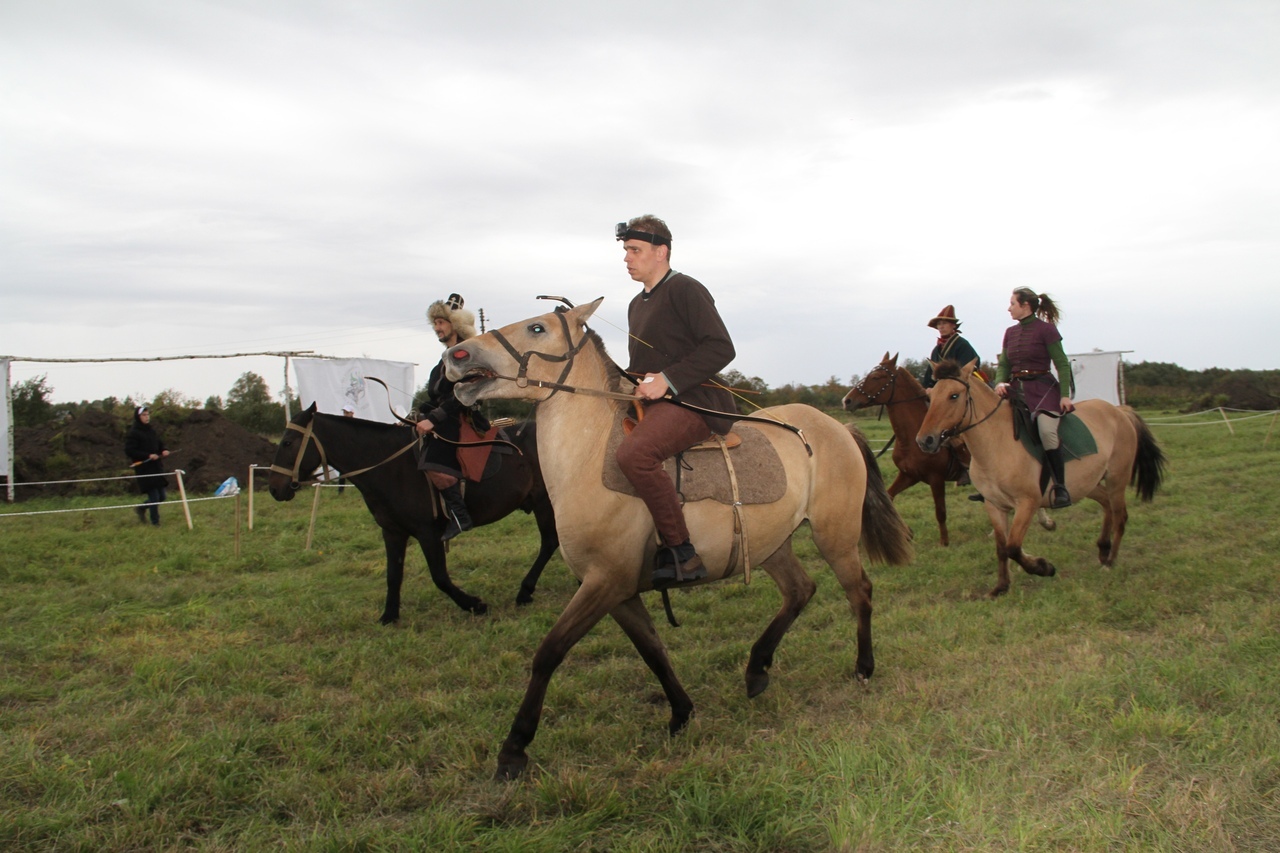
884, 534
1149, 463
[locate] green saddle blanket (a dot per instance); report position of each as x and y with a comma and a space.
1076, 440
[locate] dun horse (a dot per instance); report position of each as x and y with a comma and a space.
1009, 477
902, 395
399, 497
608, 539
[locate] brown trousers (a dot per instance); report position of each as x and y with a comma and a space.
665, 430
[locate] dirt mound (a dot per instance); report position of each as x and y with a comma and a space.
205, 445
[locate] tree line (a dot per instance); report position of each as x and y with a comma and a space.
250, 403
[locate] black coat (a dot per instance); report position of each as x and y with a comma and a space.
141, 441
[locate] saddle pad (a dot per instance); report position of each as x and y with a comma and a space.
759, 472
1073, 434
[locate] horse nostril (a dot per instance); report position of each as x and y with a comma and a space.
459, 354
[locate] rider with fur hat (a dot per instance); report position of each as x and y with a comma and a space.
443, 413
950, 344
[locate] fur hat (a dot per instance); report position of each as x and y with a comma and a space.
948, 315
462, 320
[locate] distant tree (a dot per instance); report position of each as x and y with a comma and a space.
249, 404
214, 403
31, 406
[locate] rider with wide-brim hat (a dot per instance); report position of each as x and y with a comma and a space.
951, 345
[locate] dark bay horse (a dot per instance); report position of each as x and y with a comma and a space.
904, 398
1009, 476
400, 498
827, 477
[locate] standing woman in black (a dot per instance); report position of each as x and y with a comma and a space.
146, 451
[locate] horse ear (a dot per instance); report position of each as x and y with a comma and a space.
886, 356
312, 408
969, 368
895, 359
582, 312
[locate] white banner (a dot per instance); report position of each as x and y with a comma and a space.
6, 426
1097, 376
332, 383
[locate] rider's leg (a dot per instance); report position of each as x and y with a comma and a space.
1048, 428
665, 431
455, 504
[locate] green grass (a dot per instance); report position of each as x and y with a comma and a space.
158, 693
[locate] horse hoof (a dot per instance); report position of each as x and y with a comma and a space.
523, 599
1049, 570
388, 619
510, 767
756, 683
479, 608
997, 592
678, 721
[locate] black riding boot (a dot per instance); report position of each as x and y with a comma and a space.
459, 518
1060, 496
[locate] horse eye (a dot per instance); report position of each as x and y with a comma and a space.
537, 328
955, 396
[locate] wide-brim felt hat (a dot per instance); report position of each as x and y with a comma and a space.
948, 314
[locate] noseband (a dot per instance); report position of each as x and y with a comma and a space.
307, 435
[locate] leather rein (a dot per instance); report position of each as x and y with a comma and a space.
522, 380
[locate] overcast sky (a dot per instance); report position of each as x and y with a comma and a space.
219, 177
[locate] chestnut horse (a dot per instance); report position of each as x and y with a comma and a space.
400, 497
1009, 477
902, 395
608, 540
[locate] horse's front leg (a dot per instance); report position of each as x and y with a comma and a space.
433, 550
1000, 527
938, 486
636, 623
549, 541
1024, 513
592, 601
395, 544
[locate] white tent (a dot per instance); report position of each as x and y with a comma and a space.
1099, 376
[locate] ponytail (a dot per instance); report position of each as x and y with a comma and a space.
1042, 305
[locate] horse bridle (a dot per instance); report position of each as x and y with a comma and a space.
308, 434
892, 385
952, 432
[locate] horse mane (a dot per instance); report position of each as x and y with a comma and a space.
361, 423
616, 376
947, 369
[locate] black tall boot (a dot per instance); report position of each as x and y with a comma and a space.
1060, 496
459, 518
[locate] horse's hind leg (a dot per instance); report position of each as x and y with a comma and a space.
797, 588
638, 626
841, 553
1115, 516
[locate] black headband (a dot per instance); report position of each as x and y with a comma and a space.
622, 232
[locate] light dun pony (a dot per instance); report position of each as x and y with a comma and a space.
607, 538
892, 386
961, 408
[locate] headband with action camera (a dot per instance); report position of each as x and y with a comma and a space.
622, 232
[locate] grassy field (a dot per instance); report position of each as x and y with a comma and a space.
158, 693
